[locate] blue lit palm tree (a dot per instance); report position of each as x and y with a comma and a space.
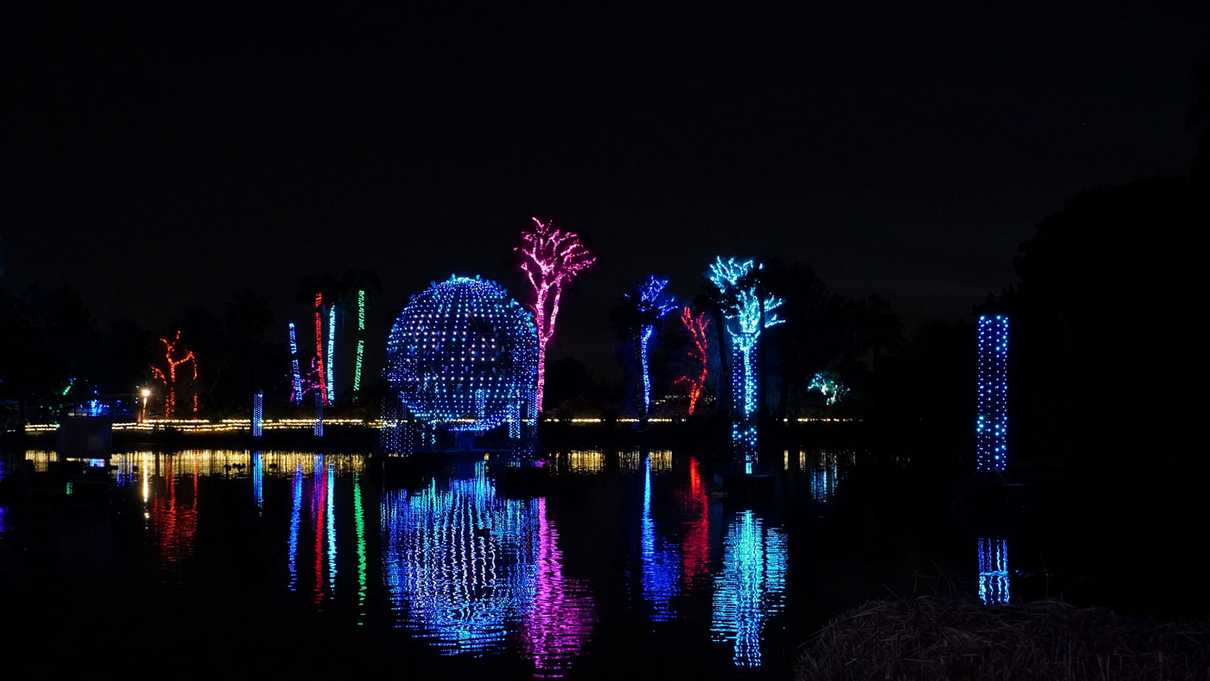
748, 312
647, 305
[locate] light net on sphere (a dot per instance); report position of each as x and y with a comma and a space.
464, 354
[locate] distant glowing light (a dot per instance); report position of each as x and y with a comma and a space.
828, 384
551, 258
991, 413
994, 580
750, 589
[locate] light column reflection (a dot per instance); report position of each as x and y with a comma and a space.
750, 589
695, 549
993, 570
359, 526
456, 562
661, 564
295, 522
466, 570
560, 617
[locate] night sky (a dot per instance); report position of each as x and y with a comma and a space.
168, 157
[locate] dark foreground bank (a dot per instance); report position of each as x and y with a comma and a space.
938, 639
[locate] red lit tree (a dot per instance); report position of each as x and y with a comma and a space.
550, 259
167, 374
699, 353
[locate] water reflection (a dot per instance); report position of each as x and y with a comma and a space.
744, 444
751, 587
359, 526
661, 564
467, 570
295, 523
695, 547
258, 481
463, 566
173, 511
561, 616
993, 570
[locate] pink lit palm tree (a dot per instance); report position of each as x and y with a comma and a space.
550, 259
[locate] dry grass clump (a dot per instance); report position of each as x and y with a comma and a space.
938, 639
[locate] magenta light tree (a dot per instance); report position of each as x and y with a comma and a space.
550, 258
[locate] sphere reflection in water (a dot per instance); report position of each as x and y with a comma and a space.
751, 587
464, 567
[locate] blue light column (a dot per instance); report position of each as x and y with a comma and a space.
991, 414
317, 429
258, 414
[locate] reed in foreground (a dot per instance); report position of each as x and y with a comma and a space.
939, 639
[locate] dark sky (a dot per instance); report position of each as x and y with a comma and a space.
168, 157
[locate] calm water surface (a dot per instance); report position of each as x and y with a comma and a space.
631, 563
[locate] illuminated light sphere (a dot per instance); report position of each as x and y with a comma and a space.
464, 354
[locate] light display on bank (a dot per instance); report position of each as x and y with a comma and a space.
991, 414
463, 354
258, 414
747, 314
550, 258
651, 302
695, 381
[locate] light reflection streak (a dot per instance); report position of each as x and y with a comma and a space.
661, 565
994, 583
319, 489
359, 525
695, 550
258, 481
750, 589
561, 617
295, 521
464, 567
330, 494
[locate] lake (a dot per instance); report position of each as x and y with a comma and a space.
623, 563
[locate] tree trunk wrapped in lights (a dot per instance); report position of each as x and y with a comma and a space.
699, 353
167, 374
748, 314
550, 259
644, 307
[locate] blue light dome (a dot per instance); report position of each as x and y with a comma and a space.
464, 354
